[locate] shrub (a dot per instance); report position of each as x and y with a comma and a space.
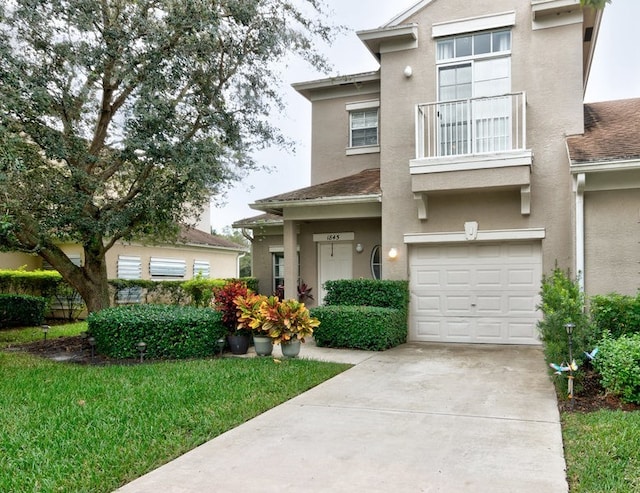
360, 327
21, 310
224, 297
35, 282
169, 331
201, 290
562, 302
368, 292
616, 313
618, 362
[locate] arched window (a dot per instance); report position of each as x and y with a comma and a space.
376, 266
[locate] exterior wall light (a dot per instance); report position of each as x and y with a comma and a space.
359, 248
408, 71
393, 253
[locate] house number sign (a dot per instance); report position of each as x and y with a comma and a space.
333, 237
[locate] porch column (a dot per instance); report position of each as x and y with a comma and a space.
290, 259
579, 236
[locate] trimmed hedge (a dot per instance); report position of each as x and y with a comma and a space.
618, 362
192, 292
616, 313
368, 292
169, 331
34, 282
360, 327
21, 310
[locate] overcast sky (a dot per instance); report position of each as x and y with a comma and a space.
615, 74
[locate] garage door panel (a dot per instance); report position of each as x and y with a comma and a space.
475, 293
429, 330
522, 331
428, 305
459, 329
489, 305
428, 277
458, 278
489, 278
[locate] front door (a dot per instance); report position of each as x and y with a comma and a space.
334, 262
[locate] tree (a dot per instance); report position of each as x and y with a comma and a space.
120, 118
596, 4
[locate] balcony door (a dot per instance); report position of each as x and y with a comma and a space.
474, 75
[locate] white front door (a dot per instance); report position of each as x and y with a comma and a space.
334, 262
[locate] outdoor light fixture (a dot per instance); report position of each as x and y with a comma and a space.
393, 253
45, 330
408, 71
92, 345
359, 248
142, 347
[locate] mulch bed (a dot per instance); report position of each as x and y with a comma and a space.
590, 396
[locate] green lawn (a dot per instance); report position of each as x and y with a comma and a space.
602, 451
68, 428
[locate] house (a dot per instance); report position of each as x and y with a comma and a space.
195, 251
466, 165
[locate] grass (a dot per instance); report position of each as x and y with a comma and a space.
71, 428
29, 334
602, 451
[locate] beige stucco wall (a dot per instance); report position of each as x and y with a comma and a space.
330, 138
366, 232
545, 63
17, 260
612, 241
222, 263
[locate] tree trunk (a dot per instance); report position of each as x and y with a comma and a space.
90, 280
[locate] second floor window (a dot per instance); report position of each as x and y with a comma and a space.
364, 127
474, 79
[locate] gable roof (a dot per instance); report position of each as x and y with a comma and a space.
363, 187
611, 133
193, 236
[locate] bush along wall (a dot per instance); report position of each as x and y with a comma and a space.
21, 310
368, 292
363, 314
618, 362
615, 313
360, 327
168, 331
35, 283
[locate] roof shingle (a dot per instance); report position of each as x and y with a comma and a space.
611, 132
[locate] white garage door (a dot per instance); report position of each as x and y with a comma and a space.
480, 293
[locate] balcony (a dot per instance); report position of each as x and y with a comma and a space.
472, 144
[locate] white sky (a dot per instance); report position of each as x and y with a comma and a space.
615, 74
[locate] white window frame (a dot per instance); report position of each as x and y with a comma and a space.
203, 267
129, 267
376, 252
167, 268
465, 141
359, 107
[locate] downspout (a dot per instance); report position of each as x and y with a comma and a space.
580, 180
238, 263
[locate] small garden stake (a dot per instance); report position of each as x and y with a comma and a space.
570, 328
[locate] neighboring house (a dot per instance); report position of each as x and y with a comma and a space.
449, 167
195, 252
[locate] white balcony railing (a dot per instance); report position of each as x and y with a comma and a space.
471, 126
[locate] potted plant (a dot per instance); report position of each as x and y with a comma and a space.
250, 317
304, 292
238, 337
287, 322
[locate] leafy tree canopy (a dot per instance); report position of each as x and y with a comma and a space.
596, 4
120, 118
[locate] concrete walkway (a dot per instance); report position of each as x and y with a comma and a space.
417, 418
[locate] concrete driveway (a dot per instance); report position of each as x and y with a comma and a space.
417, 418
